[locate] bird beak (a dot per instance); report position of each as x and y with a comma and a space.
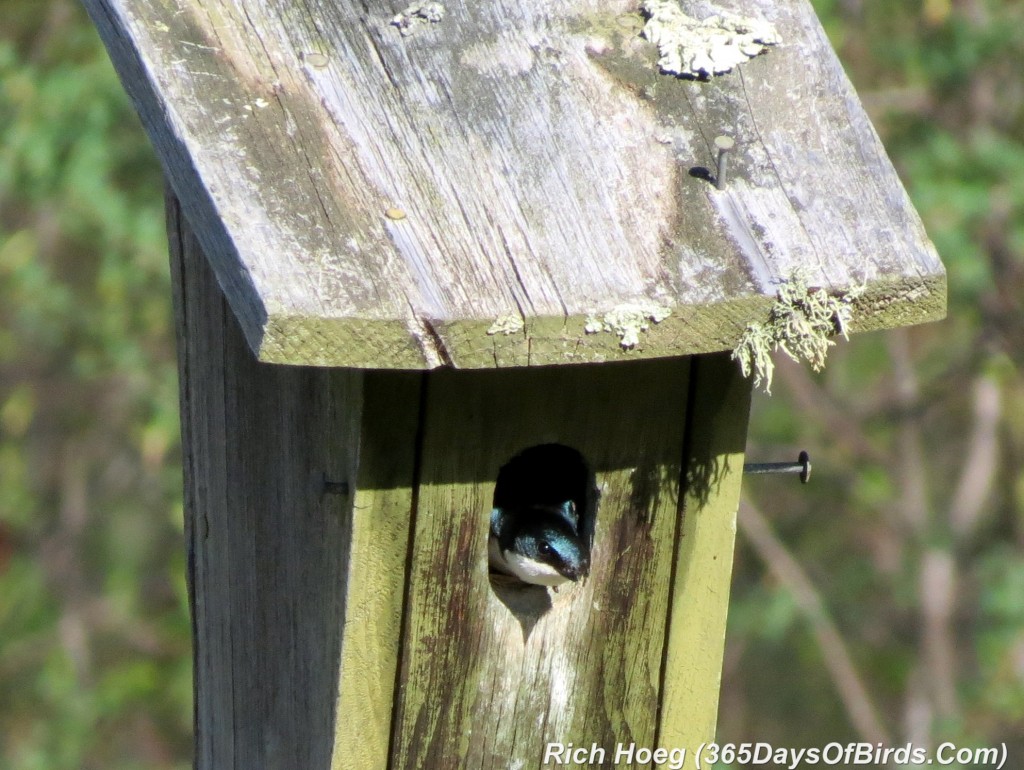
574, 573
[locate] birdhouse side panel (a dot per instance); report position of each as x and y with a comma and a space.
266, 548
719, 413
381, 514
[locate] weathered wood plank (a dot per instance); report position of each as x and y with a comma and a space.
490, 675
377, 562
266, 549
296, 595
544, 169
717, 435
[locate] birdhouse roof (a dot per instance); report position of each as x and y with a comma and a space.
527, 182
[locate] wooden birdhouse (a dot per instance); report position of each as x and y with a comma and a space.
430, 258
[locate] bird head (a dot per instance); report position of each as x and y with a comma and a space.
544, 549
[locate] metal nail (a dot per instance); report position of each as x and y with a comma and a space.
724, 145
801, 466
335, 487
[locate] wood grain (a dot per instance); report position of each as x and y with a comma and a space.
544, 167
716, 439
296, 595
322, 640
491, 673
265, 547
376, 568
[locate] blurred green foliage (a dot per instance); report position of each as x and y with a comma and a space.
94, 639
944, 84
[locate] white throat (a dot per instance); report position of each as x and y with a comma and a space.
530, 571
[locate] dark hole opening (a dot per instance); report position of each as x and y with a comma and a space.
544, 476
547, 474
544, 501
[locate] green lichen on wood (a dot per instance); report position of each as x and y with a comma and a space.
627, 321
801, 324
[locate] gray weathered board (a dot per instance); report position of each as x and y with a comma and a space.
545, 169
361, 630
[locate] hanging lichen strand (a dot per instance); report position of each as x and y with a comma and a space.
801, 324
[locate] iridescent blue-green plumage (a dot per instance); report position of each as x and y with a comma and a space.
539, 544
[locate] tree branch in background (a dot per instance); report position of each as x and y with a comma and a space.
937, 597
918, 713
981, 458
817, 404
859, 707
937, 579
913, 477
939, 573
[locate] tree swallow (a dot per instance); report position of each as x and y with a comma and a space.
539, 544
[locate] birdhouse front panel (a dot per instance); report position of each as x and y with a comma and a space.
522, 666
491, 670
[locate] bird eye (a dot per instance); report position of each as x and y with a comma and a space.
545, 548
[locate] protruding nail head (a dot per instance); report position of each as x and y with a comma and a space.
724, 145
335, 487
801, 466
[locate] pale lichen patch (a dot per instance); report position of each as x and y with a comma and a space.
627, 321
700, 48
417, 16
512, 323
801, 324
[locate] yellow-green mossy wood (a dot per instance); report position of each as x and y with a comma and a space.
700, 586
375, 579
489, 677
492, 673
